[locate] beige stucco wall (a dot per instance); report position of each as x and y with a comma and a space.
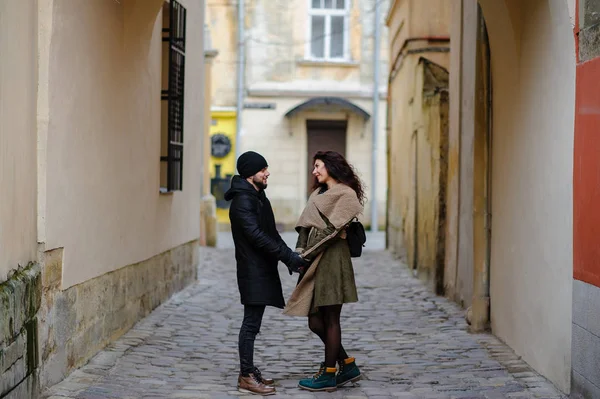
533, 69
572, 6
276, 39
409, 118
221, 17
18, 79
283, 142
430, 115
401, 174
102, 201
277, 42
407, 115
404, 118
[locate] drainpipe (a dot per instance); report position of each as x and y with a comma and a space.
209, 54
240, 79
376, 67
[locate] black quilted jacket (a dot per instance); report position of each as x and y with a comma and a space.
258, 245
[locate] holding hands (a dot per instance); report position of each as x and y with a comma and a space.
295, 263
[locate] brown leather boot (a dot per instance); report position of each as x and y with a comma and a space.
263, 379
252, 384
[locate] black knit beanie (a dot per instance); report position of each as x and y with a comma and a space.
250, 163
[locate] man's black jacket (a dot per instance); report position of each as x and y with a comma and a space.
258, 245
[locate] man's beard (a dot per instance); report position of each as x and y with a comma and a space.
258, 183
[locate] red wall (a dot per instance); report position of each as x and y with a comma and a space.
586, 174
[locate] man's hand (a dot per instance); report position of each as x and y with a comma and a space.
296, 264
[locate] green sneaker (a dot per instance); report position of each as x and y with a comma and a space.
348, 372
324, 380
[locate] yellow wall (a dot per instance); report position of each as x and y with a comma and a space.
100, 69
18, 79
223, 122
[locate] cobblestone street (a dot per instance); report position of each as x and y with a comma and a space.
408, 342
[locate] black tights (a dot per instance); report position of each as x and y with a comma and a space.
326, 324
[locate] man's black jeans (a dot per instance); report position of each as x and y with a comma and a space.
253, 315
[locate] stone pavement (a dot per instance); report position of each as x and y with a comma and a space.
408, 343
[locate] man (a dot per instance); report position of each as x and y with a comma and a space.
258, 248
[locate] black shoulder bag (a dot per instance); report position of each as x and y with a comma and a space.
356, 237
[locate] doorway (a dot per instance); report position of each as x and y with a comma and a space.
323, 135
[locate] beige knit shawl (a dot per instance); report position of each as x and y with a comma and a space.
340, 205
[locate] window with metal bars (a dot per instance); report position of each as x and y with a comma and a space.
172, 96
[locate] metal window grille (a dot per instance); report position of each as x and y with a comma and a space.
174, 94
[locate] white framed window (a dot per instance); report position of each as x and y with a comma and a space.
328, 30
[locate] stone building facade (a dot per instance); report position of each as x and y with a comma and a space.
308, 85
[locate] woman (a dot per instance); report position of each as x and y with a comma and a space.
328, 283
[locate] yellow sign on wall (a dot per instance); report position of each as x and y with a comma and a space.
222, 159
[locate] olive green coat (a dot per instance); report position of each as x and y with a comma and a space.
334, 278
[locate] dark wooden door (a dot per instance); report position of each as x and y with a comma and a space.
323, 136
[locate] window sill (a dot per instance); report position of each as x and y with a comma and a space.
165, 191
328, 63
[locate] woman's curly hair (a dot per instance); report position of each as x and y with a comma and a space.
340, 170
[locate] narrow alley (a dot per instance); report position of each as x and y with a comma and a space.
408, 342
471, 131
